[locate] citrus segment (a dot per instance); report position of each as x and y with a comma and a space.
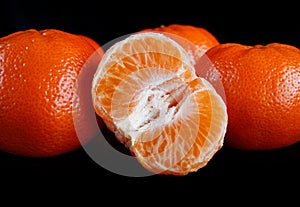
147, 92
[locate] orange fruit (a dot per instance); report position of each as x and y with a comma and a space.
39, 94
262, 87
195, 40
147, 92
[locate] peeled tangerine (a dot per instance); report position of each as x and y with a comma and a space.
147, 92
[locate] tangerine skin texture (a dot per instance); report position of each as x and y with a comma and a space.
197, 35
38, 95
262, 86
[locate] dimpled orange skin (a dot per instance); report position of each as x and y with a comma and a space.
38, 95
262, 86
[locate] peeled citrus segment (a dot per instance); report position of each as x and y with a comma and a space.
147, 92
133, 55
189, 138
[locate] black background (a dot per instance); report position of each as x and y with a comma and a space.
244, 22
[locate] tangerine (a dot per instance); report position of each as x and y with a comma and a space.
262, 87
147, 92
39, 93
194, 39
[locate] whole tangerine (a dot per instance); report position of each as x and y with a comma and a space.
39, 94
262, 87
